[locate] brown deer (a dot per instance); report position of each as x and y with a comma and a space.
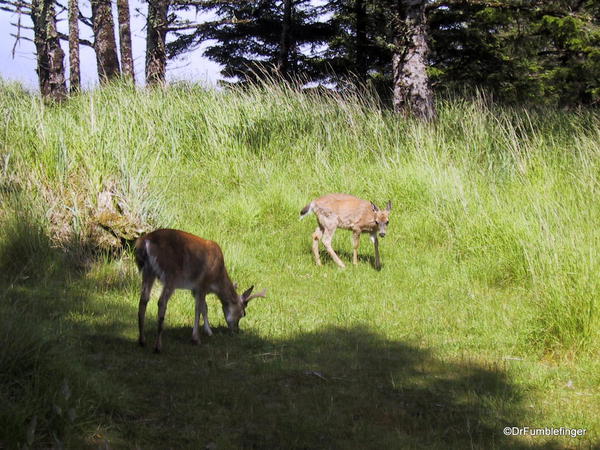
350, 213
181, 260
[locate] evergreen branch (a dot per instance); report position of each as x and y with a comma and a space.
85, 42
214, 23
85, 20
14, 4
205, 3
4, 8
538, 8
20, 37
19, 26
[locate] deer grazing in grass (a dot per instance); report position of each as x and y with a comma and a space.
350, 213
181, 260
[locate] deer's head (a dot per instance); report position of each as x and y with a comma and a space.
382, 217
235, 310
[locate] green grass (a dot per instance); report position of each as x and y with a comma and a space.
484, 315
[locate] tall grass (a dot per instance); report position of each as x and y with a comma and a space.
493, 244
511, 194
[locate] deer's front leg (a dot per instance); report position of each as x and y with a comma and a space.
376, 245
201, 308
147, 282
355, 244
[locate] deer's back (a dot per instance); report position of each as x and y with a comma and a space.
182, 259
345, 210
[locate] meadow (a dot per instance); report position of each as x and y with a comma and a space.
484, 314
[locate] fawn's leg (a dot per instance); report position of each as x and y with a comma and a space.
376, 245
355, 244
316, 237
327, 238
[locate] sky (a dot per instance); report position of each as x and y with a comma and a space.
193, 66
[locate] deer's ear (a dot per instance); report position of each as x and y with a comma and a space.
374, 206
235, 286
247, 299
389, 206
247, 293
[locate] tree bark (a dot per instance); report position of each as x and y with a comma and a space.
412, 93
50, 57
105, 44
156, 53
125, 39
360, 59
74, 65
283, 65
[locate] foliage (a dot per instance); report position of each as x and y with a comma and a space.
343, 47
247, 37
533, 52
519, 51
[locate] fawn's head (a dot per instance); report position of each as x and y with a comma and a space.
382, 217
235, 310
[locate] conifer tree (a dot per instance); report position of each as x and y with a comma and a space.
257, 38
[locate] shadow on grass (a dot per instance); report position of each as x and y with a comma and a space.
346, 257
333, 388
46, 398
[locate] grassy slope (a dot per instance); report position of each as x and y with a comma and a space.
484, 314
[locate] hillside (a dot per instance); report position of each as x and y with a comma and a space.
484, 315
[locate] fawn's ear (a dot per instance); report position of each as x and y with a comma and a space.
374, 206
388, 208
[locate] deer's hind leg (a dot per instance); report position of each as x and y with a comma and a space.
147, 283
162, 310
327, 238
316, 237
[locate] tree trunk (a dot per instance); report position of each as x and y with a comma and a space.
50, 57
412, 94
283, 65
360, 60
74, 66
125, 38
104, 40
156, 54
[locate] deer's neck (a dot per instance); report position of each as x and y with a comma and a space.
227, 293
371, 225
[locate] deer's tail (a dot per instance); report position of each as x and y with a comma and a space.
141, 254
306, 210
